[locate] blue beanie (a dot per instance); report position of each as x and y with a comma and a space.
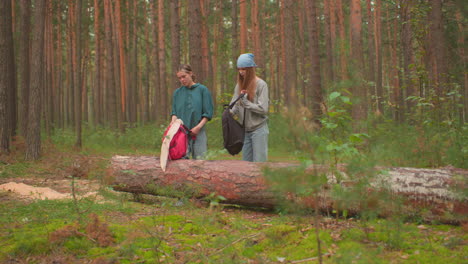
246, 60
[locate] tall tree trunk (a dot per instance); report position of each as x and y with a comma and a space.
116, 30
243, 26
110, 79
316, 82
303, 61
133, 80
206, 65
256, 33
371, 58
282, 58
290, 78
48, 93
195, 49
235, 36
461, 51
407, 50
12, 91
7, 74
33, 137
333, 39
77, 75
97, 87
60, 100
163, 95
122, 73
437, 52
158, 109
393, 71
71, 76
13, 16
217, 32
145, 96
327, 31
175, 41
24, 63
342, 40
378, 56
359, 110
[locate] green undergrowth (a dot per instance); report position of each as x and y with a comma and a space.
122, 228
161, 230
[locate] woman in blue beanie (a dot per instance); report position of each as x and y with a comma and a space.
252, 109
193, 104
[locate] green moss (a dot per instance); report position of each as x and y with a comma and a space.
30, 239
108, 252
14, 170
78, 245
279, 232
354, 252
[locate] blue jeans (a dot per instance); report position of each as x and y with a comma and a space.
256, 145
197, 148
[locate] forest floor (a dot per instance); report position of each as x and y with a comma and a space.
48, 216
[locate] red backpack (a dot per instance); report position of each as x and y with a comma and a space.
179, 143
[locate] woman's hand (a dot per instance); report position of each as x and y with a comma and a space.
195, 130
173, 118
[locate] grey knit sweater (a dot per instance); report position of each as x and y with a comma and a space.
255, 112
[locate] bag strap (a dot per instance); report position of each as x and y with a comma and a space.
235, 101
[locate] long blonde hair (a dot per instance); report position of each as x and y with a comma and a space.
248, 82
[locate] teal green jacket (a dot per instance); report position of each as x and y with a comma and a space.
191, 104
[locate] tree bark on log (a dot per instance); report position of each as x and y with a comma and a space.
434, 194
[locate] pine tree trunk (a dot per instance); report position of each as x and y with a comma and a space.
290, 78
425, 190
33, 137
60, 100
24, 63
407, 54
97, 86
371, 58
393, 72
234, 32
175, 41
205, 48
359, 107
316, 82
342, 40
110, 72
437, 51
243, 25
7, 74
145, 96
462, 54
256, 33
163, 91
71, 51
135, 80
195, 46
327, 31
333, 39
378, 56
77, 74
48, 74
156, 76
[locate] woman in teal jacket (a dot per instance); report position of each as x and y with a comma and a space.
192, 102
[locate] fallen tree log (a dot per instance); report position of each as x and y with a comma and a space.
430, 192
